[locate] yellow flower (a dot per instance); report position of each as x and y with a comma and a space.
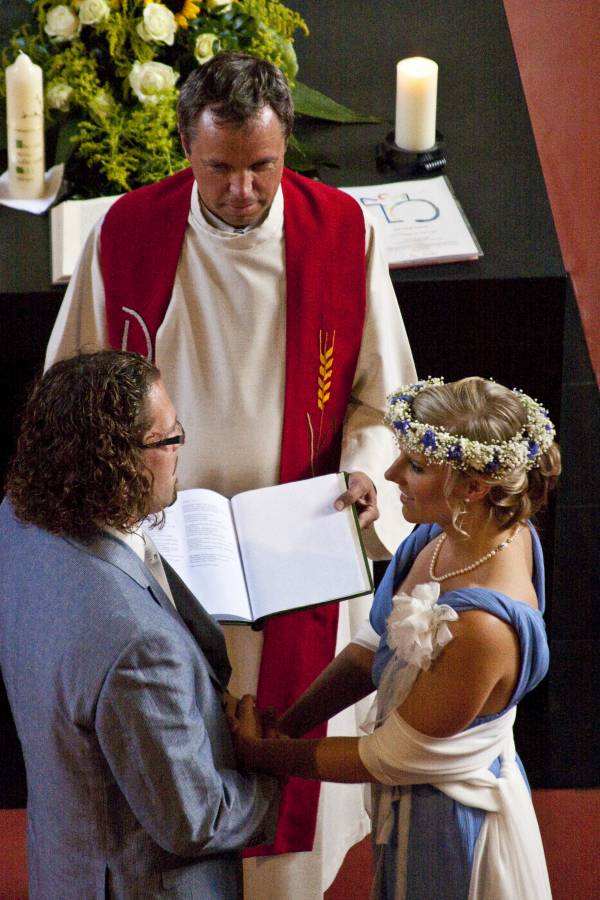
183, 10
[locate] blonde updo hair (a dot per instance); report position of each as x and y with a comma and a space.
485, 411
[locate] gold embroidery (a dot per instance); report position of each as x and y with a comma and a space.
323, 394
325, 370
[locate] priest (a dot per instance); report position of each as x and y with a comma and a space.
265, 300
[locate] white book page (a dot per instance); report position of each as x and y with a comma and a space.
212, 568
419, 221
170, 540
70, 224
297, 549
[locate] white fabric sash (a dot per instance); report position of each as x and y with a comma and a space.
509, 859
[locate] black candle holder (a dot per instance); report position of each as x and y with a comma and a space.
410, 163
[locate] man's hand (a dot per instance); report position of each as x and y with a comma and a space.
250, 728
230, 705
247, 722
363, 492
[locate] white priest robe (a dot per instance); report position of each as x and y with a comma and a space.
221, 352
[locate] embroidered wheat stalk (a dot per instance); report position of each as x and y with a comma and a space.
325, 370
324, 380
323, 394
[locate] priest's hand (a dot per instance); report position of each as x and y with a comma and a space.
363, 492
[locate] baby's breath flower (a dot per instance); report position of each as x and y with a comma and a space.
439, 447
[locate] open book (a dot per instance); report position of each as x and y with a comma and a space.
70, 223
265, 551
419, 222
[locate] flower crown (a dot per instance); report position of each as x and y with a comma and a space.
495, 460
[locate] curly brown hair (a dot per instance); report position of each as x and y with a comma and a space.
78, 462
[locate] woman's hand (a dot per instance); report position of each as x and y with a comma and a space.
250, 728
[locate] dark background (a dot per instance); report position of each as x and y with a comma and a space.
507, 316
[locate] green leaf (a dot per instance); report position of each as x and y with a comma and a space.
303, 158
309, 102
64, 145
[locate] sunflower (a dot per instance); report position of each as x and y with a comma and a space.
183, 10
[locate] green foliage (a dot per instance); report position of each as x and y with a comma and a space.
303, 158
138, 148
309, 102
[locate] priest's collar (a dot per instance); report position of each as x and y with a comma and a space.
220, 225
274, 213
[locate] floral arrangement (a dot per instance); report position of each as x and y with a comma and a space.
440, 447
112, 70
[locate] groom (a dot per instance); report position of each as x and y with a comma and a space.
116, 676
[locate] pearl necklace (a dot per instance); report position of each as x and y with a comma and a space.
479, 562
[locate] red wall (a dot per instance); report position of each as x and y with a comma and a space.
556, 44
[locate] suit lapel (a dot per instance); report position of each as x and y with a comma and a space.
207, 632
189, 613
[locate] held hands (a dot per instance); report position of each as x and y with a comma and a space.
363, 492
249, 727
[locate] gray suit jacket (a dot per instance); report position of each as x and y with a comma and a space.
132, 787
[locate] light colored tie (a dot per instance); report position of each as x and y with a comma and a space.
153, 561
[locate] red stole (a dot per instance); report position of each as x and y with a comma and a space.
325, 302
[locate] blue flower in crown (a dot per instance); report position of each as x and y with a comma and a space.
455, 453
493, 465
429, 440
522, 450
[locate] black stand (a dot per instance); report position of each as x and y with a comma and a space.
410, 163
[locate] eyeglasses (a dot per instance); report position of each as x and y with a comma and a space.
167, 442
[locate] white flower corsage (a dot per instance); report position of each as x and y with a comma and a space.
416, 627
417, 633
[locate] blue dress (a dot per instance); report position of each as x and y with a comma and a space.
442, 833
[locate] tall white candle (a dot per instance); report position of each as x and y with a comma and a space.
416, 102
25, 127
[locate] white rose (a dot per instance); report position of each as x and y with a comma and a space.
150, 79
93, 11
58, 96
159, 24
218, 5
204, 47
62, 24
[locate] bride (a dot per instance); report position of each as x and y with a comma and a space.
456, 638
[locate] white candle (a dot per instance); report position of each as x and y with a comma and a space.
416, 101
25, 128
